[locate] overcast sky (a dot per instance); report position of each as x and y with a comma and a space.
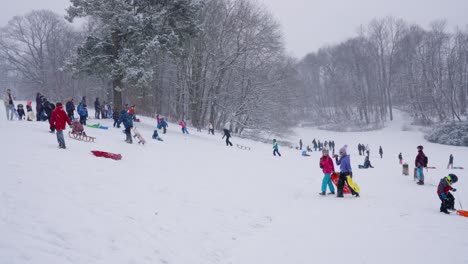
309, 24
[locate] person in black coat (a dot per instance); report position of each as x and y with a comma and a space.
227, 134
70, 108
48, 108
39, 106
97, 108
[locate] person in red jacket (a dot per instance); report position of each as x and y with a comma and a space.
326, 164
443, 191
59, 119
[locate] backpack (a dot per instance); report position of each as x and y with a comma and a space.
425, 160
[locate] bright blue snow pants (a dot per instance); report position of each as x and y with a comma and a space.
420, 174
327, 181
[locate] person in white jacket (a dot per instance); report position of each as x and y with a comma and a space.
9, 105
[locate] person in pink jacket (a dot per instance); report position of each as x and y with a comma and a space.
184, 127
326, 164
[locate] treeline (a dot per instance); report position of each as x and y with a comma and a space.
223, 62
389, 64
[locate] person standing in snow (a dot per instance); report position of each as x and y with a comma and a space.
30, 113
211, 129
443, 191
9, 105
227, 134
20, 111
359, 148
48, 109
326, 164
70, 108
300, 144
367, 149
127, 121
400, 158
420, 163
344, 162
116, 117
83, 113
183, 127
59, 119
380, 151
275, 148
450, 164
314, 143
97, 108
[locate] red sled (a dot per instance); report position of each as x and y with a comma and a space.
108, 155
334, 177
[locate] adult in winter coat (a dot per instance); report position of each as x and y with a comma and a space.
443, 191
211, 129
380, 151
326, 164
83, 113
59, 119
450, 164
344, 162
20, 111
70, 108
9, 105
127, 121
97, 108
39, 107
420, 163
275, 148
227, 134
48, 109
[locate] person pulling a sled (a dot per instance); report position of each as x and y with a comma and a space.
344, 162
443, 191
59, 119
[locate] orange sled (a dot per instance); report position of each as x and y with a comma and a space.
462, 213
334, 177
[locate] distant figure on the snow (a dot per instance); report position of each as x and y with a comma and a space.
227, 134
48, 108
127, 121
156, 135
380, 151
164, 125
367, 150
305, 154
400, 158
58, 120
39, 107
326, 164
104, 108
97, 108
9, 105
344, 162
70, 108
420, 163
83, 113
183, 126
83, 101
211, 129
332, 146
300, 144
275, 148
29, 111
20, 111
443, 191
450, 164
308, 148
122, 112
367, 163
314, 143
359, 147
116, 117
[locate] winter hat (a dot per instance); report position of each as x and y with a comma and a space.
58, 104
343, 149
452, 178
325, 151
420, 147
29, 103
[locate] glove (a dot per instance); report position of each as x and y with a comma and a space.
454, 190
321, 167
443, 196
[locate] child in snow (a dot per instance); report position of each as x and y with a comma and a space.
77, 128
443, 191
83, 113
59, 119
20, 111
304, 153
275, 148
367, 163
127, 120
400, 158
450, 164
211, 129
344, 162
156, 135
184, 127
164, 125
326, 164
116, 117
420, 163
30, 113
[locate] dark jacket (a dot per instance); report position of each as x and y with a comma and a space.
421, 160
227, 133
126, 119
70, 106
444, 186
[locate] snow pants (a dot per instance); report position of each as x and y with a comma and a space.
228, 143
341, 183
448, 203
60, 138
420, 173
128, 134
327, 182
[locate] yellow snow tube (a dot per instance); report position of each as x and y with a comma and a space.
352, 184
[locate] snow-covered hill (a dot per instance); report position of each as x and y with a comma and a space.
191, 199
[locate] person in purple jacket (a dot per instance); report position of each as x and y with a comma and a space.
344, 162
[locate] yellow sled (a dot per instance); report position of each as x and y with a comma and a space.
353, 185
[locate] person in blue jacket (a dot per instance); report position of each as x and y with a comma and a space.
127, 121
163, 124
83, 113
344, 162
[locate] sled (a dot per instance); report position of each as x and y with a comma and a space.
81, 136
462, 213
334, 177
353, 185
97, 126
243, 147
458, 168
141, 140
108, 155
431, 168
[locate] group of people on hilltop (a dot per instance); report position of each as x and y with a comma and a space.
363, 149
319, 146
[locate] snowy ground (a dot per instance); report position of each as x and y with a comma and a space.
190, 199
